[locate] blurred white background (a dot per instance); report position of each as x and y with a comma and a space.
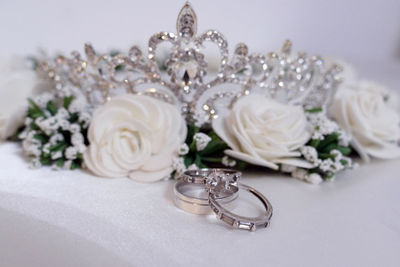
365, 33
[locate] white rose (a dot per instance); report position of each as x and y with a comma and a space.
264, 132
360, 109
18, 82
136, 136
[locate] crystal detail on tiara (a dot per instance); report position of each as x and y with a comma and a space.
299, 80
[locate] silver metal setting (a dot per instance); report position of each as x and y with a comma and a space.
199, 204
202, 176
299, 80
241, 222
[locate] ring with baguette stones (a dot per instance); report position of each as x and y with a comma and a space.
241, 222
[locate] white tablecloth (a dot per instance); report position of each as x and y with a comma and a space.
64, 218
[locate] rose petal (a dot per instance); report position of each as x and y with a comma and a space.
222, 131
251, 159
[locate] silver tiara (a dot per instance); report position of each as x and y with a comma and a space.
182, 78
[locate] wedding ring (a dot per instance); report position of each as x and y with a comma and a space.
242, 222
200, 176
193, 198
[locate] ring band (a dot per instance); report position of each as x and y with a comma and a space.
242, 222
198, 204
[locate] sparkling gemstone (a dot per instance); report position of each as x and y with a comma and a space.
103, 67
186, 24
186, 71
135, 53
219, 181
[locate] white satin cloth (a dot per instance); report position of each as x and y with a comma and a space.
70, 218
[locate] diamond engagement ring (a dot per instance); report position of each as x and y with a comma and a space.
201, 176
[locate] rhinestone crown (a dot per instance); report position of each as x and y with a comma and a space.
183, 79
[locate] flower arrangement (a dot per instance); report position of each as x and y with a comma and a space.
147, 139
55, 132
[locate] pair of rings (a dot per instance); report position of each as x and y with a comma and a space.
215, 190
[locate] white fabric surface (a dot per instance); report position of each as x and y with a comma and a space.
65, 218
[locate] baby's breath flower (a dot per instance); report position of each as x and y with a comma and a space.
71, 153
178, 165
56, 138
84, 118
43, 99
62, 113
77, 139
226, 161
184, 149
202, 140
56, 155
193, 167
74, 128
53, 135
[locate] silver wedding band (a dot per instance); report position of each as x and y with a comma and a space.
200, 204
241, 222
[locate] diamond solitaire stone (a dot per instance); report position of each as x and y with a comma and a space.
219, 181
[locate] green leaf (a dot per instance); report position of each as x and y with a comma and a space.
344, 150
211, 159
241, 165
314, 142
34, 126
52, 108
67, 101
328, 140
73, 117
197, 160
188, 161
34, 111
33, 105
119, 67
75, 165
193, 147
329, 148
329, 176
314, 110
192, 130
45, 160
60, 162
41, 137
61, 146
326, 156
213, 147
